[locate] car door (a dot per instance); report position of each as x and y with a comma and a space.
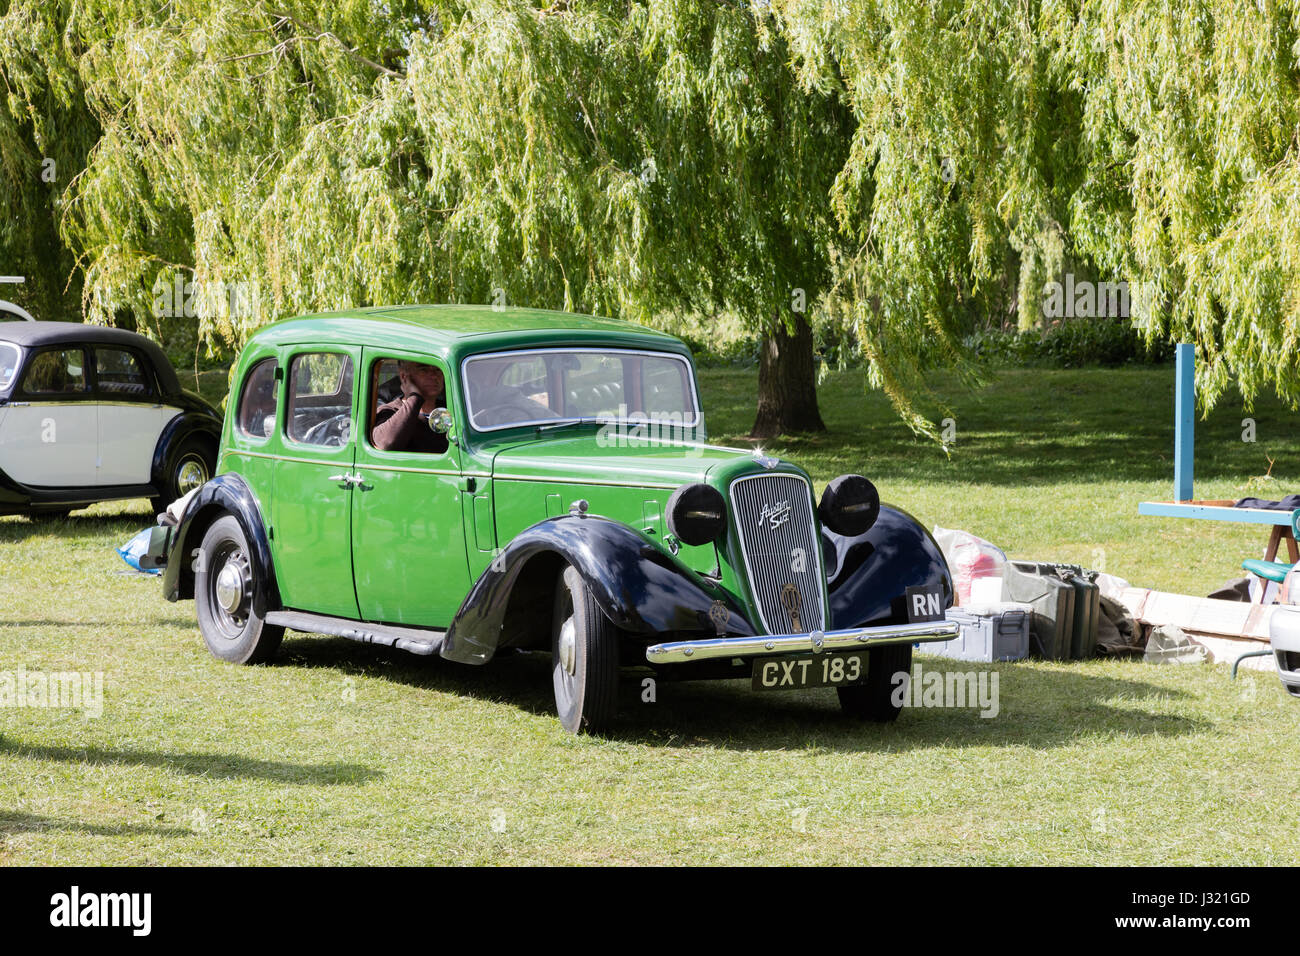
131, 417
408, 539
51, 432
311, 511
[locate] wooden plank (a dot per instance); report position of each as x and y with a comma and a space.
1226, 618
1214, 512
1184, 418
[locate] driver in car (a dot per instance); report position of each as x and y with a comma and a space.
403, 423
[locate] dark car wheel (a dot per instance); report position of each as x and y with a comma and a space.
875, 699
584, 658
225, 584
190, 465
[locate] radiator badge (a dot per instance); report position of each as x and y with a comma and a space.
792, 600
774, 515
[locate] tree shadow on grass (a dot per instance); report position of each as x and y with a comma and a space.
12, 822
217, 766
1039, 707
1027, 427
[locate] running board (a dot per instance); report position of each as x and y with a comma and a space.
414, 639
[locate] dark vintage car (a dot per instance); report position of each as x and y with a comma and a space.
570, 503
89, 413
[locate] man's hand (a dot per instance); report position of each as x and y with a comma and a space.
409, 387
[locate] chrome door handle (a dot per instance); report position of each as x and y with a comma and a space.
346, 479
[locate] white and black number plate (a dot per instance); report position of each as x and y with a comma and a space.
820, 670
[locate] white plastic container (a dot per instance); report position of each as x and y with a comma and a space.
989, 632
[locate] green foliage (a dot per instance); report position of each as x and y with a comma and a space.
917, 170
1069, 344
598, 156
999, 144
46, 133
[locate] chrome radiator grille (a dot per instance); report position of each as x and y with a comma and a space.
775, 518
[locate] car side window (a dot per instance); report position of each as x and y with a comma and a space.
257, 402
320, 399
56, 372
119, 372
394, 426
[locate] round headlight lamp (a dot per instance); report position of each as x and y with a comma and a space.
850, 505
696, 514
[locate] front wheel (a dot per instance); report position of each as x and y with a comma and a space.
584, 658
880, 698
225, 585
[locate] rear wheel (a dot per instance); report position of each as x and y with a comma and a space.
225, 585
880, 698
190, 466
584, 658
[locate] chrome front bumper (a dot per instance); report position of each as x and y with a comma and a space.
813, 643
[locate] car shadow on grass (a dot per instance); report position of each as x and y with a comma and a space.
1038, 706
78, 525
13, 822
216, 766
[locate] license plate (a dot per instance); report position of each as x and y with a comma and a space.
819, 670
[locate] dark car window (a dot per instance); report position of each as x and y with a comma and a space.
119, 372
56, 372
320, 399
257, 403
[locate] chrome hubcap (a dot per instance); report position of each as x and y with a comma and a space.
569, 647
190, 475
230, 588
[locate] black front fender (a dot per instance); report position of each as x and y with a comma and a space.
638, 585
868, 574
224, 494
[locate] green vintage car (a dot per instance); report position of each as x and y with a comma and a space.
560, 496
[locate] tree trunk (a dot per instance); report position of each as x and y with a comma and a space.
787, 382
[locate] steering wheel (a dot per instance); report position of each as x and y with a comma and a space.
332, 432
509, 412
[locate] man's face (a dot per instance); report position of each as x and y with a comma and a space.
427, 379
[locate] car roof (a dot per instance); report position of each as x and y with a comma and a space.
455, 330
32, 335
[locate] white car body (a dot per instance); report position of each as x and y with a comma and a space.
89, 414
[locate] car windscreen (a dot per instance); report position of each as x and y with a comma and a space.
551, 386
9, 356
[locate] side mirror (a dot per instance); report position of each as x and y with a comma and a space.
440, 421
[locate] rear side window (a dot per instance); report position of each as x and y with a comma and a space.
119, 372
320, 399
56, 372
257, 402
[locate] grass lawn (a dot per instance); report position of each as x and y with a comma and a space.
344, 753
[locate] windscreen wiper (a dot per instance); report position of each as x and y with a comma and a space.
569, 422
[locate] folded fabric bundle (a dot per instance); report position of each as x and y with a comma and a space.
1289, 503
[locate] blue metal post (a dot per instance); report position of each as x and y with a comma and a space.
1184, 423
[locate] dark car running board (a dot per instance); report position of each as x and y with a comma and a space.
414, 639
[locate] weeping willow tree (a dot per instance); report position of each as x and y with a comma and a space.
1000, 144
625, 158
46, 133
915, 163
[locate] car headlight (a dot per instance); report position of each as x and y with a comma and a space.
850, 505
697, 514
